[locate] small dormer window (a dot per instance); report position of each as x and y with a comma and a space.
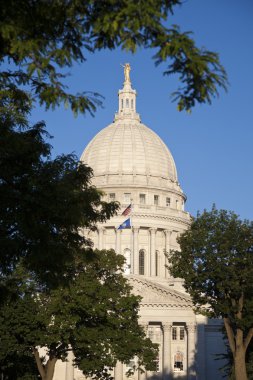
127, 197
112, 197
142, 199
156, 200
127, 103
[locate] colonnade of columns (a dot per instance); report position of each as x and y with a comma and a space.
150, 264
167, 364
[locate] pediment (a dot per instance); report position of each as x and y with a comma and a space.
154, 294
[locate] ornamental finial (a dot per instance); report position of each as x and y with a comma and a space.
127, 69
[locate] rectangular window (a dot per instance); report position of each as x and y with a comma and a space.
127, 197
142, 199
156, 200
167, 202
112, 197
174, 333
181, 333
157, 363
151, 333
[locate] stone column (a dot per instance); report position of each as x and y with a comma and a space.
101, 237
167, 351
201, 358
143, 375
152, 251
118, 371
118, 241
136, 250
191, 351
69, 374
167, 250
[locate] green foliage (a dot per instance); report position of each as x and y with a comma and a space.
95, 314
55, 292
44, 201
216, 262
65, 30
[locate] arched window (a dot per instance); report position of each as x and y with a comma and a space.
122, 103
127, 103
127, 265
132, 103
157, 263
141, 261
178, 362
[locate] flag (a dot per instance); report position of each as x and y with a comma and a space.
125, 224
127, 210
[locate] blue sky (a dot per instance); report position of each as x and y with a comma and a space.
212, 147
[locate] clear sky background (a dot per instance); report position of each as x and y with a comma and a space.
212, 147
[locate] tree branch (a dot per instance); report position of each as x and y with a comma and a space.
38, 362
50, 368
230, 334
248, 338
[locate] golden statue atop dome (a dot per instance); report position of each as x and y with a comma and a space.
127, 69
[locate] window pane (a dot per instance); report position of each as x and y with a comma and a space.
127, 197
156, 262
142, 199
112, 197
181, 333
174, 333
178, 362
127, 264
168, 202
141, 262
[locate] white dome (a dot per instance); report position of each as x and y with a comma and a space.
129, 148
128, 153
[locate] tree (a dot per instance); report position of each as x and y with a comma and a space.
95, 315
55, 291
216, 262
44, 201
65, 30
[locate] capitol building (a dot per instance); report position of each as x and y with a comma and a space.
133, 166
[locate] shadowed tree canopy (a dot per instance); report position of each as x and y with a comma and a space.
216, 263
41, 38
96, 316
45, 202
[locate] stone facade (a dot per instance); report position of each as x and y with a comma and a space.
132, 165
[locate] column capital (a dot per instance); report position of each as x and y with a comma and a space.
191, 327
153, 230
135, 229
101, 229
167, 326
167, 233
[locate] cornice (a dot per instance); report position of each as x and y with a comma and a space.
183, 299
163, 217
165, 306
138, 186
